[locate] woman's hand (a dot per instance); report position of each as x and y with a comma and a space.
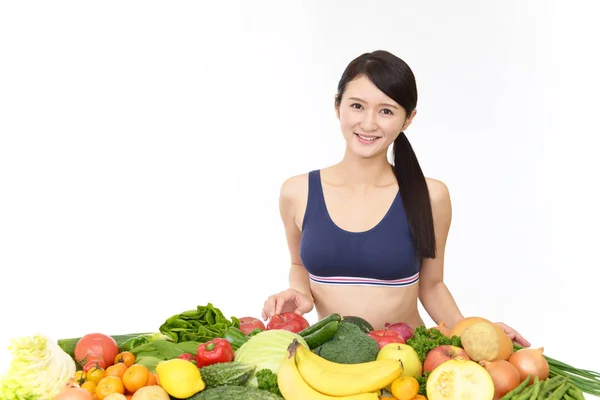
513, 335
289, 300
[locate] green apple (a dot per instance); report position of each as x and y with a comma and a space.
411, 364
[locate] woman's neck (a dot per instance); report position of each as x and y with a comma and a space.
363, 173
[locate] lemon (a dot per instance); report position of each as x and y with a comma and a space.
180, 378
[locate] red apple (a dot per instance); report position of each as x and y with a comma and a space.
402, 328
443, 353
248, 324
288, 321
384, 336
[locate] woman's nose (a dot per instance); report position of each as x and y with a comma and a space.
369, 123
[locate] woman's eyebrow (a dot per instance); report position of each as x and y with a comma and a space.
381, 104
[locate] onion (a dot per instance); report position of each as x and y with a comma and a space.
531, 362
505, 376
73, 393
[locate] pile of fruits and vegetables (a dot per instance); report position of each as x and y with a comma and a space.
200, 354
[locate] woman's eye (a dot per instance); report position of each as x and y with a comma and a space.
355, 105
387, 111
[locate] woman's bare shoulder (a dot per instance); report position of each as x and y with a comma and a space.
439, 194
294, 190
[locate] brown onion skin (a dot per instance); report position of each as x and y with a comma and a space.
531, 362
505, 376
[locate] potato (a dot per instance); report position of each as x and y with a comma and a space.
153, 392
116, 396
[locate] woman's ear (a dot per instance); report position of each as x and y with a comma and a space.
409, 120
336, 106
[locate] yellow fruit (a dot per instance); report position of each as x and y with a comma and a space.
405, 388
337, 379
460, 379
180, 378
404, 353
293, 387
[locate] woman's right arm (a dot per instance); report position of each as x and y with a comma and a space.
298, 298
291, 191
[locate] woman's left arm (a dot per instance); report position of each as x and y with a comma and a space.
433, 292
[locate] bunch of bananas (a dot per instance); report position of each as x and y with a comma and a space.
304, 375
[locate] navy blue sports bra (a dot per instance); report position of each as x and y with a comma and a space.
382, 256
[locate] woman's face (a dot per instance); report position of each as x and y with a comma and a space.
370, 120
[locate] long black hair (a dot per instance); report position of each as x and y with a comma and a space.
395, 78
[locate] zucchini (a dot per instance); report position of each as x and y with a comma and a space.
362, 323
235, 393
228, 373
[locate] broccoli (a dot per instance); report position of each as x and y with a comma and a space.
350, 345
267, 380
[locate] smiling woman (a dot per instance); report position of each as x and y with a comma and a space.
366, 237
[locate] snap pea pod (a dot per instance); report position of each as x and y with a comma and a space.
517, 390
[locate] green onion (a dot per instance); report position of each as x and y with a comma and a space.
587, 381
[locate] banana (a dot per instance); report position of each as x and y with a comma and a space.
335, 379
293, 387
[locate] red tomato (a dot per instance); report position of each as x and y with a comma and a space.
97, 343
248, 324
384, 336
93, 363
288, 321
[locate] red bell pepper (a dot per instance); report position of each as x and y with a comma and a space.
187, 356
218, 350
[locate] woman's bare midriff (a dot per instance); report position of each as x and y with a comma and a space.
377, 305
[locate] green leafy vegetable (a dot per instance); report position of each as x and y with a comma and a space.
266, 350
423, 340
150, 354
38, 370
267, 380
200, 325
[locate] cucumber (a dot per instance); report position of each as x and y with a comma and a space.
323, 335
320, 324
235, 393
362, 323
231, 373
322, 331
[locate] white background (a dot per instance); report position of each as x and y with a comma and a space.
143, 146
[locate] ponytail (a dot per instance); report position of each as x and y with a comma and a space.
415, 196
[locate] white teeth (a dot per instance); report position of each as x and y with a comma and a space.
370, 139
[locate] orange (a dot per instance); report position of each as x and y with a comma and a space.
405, 388
135, 377
125, 357
419, 397
117, 370
108, 385
90, 386
151, 380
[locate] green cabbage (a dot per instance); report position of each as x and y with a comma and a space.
39, 369
267, 349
